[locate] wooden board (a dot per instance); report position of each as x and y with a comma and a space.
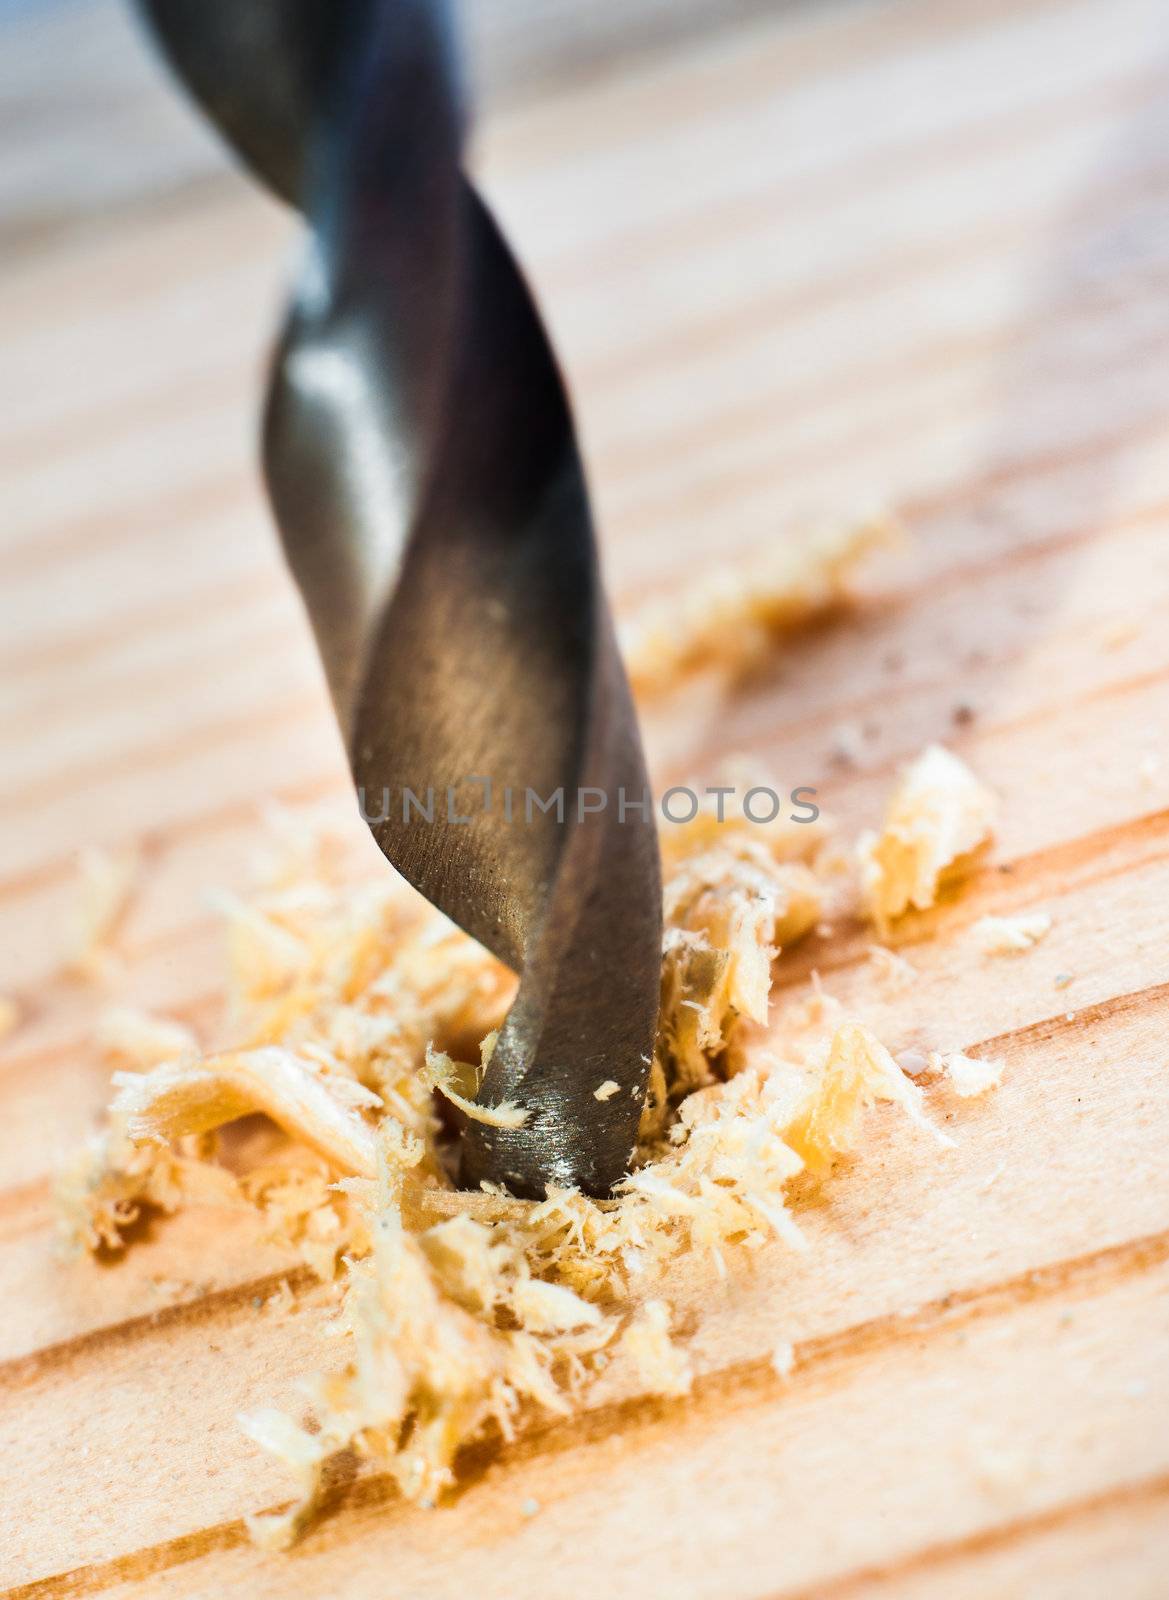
811, 258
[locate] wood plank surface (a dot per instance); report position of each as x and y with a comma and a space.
794, 258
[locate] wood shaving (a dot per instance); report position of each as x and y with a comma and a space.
177, 1099
729, 911
1005, 936
470, 1312
106, 887
282, 1301
304, 1455
661, 1367
729, 619
968, 1076
137, 1041
105, 1190
858, 1071
444, 1074
939, 815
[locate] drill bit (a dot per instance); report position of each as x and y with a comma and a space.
422, 465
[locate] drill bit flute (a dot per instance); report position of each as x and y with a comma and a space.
422, 465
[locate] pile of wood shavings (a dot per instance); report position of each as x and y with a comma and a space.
467, 1312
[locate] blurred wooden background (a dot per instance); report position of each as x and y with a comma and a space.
794, 256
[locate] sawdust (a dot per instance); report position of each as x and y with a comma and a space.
940, 814
354, 1006
662, 1368
467, 1312
1005, 936
968, 1075
729, 619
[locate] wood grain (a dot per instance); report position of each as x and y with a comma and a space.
810, 257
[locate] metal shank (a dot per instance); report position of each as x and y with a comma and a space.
423, 468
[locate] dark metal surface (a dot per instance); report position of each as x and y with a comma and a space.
422, 464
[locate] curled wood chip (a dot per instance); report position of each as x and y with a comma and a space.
551, 1308
104, 1189
177, 1100
444, 1074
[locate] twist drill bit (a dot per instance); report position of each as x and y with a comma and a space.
422, 465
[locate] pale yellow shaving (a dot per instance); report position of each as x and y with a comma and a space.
304, 1454
967, 1074
939, 815
1003, 936
857, 1073
661, 1367
175, 1100
730, 619
104, 1190
443, 1074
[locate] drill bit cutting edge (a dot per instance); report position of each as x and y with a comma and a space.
422, 465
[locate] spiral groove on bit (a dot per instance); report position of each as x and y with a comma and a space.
422, 464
